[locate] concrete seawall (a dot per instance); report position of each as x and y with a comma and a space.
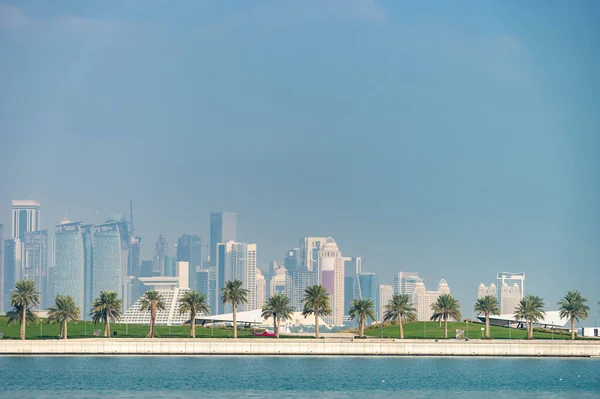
273, 347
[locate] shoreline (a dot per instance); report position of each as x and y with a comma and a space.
299, 347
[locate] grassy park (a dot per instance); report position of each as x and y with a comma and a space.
85, 329
431, 330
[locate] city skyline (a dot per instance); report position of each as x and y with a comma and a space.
320, 257
456, 142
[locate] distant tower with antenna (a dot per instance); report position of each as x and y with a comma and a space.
130, 218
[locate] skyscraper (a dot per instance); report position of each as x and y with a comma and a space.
404, 283
9, 269
386, 293
189, 249
235, 261
509, 279
69, 270
25, 217
134, 256
161, 249
35, 261
352, 268
107, 274
261, 289
423, 299
223, 228
87, 233
331, 272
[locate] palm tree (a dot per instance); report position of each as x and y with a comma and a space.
530, 308
152, 301
278, 307
106, 308
316, 301
362, 309
235, 294
446, 307
400, 309
16, 316
573, 306
194, 303
64, 309
487, 305
24, 295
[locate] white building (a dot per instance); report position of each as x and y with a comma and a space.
508, 279
171, 289
331, 277
236, 261
386, 293
404, 283
423, 299
510, 298
277, 285
483, 291
25, 218
261, 289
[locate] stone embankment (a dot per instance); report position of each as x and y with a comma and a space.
303, 347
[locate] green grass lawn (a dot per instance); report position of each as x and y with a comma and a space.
85, 329
430, 330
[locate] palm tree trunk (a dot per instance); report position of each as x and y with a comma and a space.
487, 324
65, 329
275, 324
360, 327
193, 324
530, 329
317, 323
445, 327
152, 318
572, 328
278, 325
401, 328
23, 321
234, 320
107, 323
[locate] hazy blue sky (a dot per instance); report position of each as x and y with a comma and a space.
453, 138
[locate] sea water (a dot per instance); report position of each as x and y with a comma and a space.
295, 377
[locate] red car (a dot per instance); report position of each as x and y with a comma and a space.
265, 333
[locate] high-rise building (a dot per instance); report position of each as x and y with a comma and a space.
87, 233
423, 299
278, 283
509, 279
170, 266
35, 261
69, 258
10, 249
292, 260
223, 228
352, 268
202, 282
484, 290
1, 268
386, 293
331, 273
189, 249
309, 252
108, 260
25, 217
235, 261
510, 298
261, 289
404, 283
134, 263
161, 249
369, 287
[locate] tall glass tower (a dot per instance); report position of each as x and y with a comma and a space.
35, 261
25, 217
107, 258
69, 270
223, 228
189, 249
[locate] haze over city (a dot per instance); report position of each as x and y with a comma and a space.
454, 142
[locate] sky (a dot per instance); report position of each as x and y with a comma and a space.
456, 139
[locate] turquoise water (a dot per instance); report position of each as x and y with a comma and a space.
295, 377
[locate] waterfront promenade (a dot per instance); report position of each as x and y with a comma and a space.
303, 347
